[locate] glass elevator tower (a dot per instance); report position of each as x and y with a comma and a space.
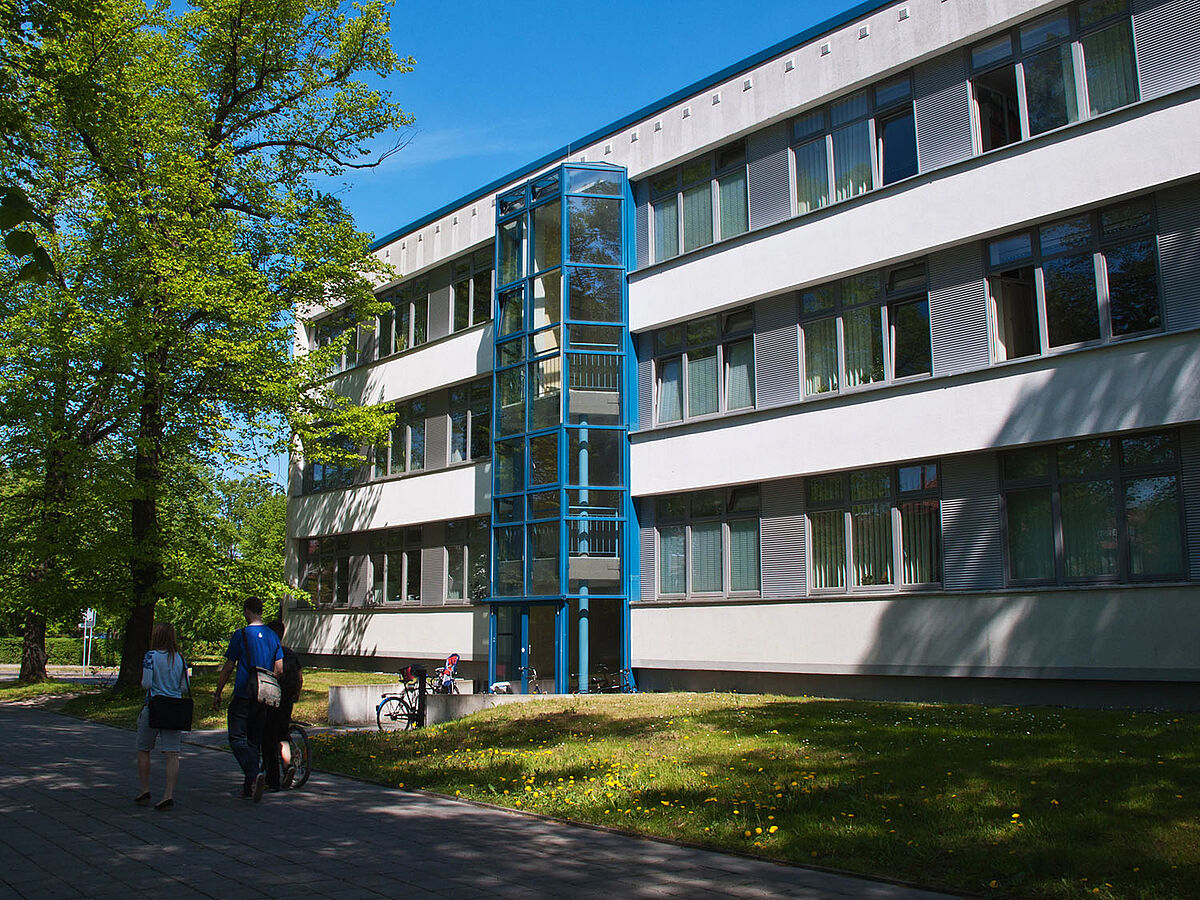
563, 549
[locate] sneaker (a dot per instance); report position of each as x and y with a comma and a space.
289, 776
259, 783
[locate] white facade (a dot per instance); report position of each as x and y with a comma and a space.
841, 476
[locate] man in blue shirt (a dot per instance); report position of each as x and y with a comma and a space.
254, 646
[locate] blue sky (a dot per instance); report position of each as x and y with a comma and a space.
498, 85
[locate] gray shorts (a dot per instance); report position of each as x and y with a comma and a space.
170, 740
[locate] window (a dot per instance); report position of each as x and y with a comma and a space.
472, 290
340, 334
875, 528
866, 329
407, 324
396, 565
708, 543
705, 367
1071, 64
467, 559
471, 421
703, 200
339, 472
862, 141
1090, 278
405, 448
326, 566
1094, 510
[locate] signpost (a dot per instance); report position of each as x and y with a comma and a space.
89, 630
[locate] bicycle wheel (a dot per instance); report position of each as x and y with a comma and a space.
301, 754
397, 712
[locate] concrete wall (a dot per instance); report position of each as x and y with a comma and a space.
1136, 384
1122, 633
392, 636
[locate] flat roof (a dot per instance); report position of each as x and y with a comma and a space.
831, 24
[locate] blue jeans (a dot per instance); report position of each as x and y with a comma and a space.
246, 719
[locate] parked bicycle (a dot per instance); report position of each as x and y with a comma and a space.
402, 710
297, 737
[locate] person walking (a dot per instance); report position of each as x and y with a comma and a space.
164, 674
275, 746
250, 648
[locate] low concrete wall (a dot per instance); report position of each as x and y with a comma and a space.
354, 704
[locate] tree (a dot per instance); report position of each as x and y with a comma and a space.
169, 181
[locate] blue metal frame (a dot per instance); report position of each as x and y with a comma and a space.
521, 205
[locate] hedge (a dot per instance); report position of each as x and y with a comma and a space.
64, 651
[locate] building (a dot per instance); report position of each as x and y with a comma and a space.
869, 365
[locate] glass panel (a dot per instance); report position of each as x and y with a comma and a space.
456, 571
1044, 31
416, 444
869, 484
595, 294
1008, 250
992, 51
462, 305
852, 160
482, 300
547, 236
543, 459
420, 314
597, 503
702, 382
512, 250
546, 403
510, 466
702, 331
401, 317
670, 390
666, 228
921, 542
595, 389
596, 337
395, 577
1071, 312
1050, 89
812, 175
739, 375
1094, 11
672, 507
594, 181
829, 548
1148, 450
546, 504
708, 503
1030, 535
669, 338
602, 447
545, 341
809, 123
1089, 526
871, 534
412, 576
999, 107
544, 187
511, 202
820, 356
1069, 235
906, 278
383, 336
852, 107
595, 230
1152, 518
510, 509
707, 571
1081, 458
731, 155
917, 478
893, 91
510, 352
743, 555
899, 151
864, 345
512, 311
738, 320
671, 573
743, 499
1017, 328
511, 388
481, 419
1117, 220
911, 352
547, 300
825, 489
697, 216
1133, 288
735, 208
1108, 64
864, 288
696, 170
1031, 463
477, 559
817, 299
399, 447
510, 551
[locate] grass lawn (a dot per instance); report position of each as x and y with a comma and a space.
15, 690
122, 709
999, 801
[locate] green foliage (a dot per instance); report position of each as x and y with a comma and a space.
63, 651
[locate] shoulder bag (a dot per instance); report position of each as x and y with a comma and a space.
173, 713
264, 686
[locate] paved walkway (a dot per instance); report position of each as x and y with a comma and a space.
69, 828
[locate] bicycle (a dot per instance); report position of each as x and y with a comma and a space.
297, 738
403, 709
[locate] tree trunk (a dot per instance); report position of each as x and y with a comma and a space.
33, 649
146, 560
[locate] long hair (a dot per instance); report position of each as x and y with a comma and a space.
164, 639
